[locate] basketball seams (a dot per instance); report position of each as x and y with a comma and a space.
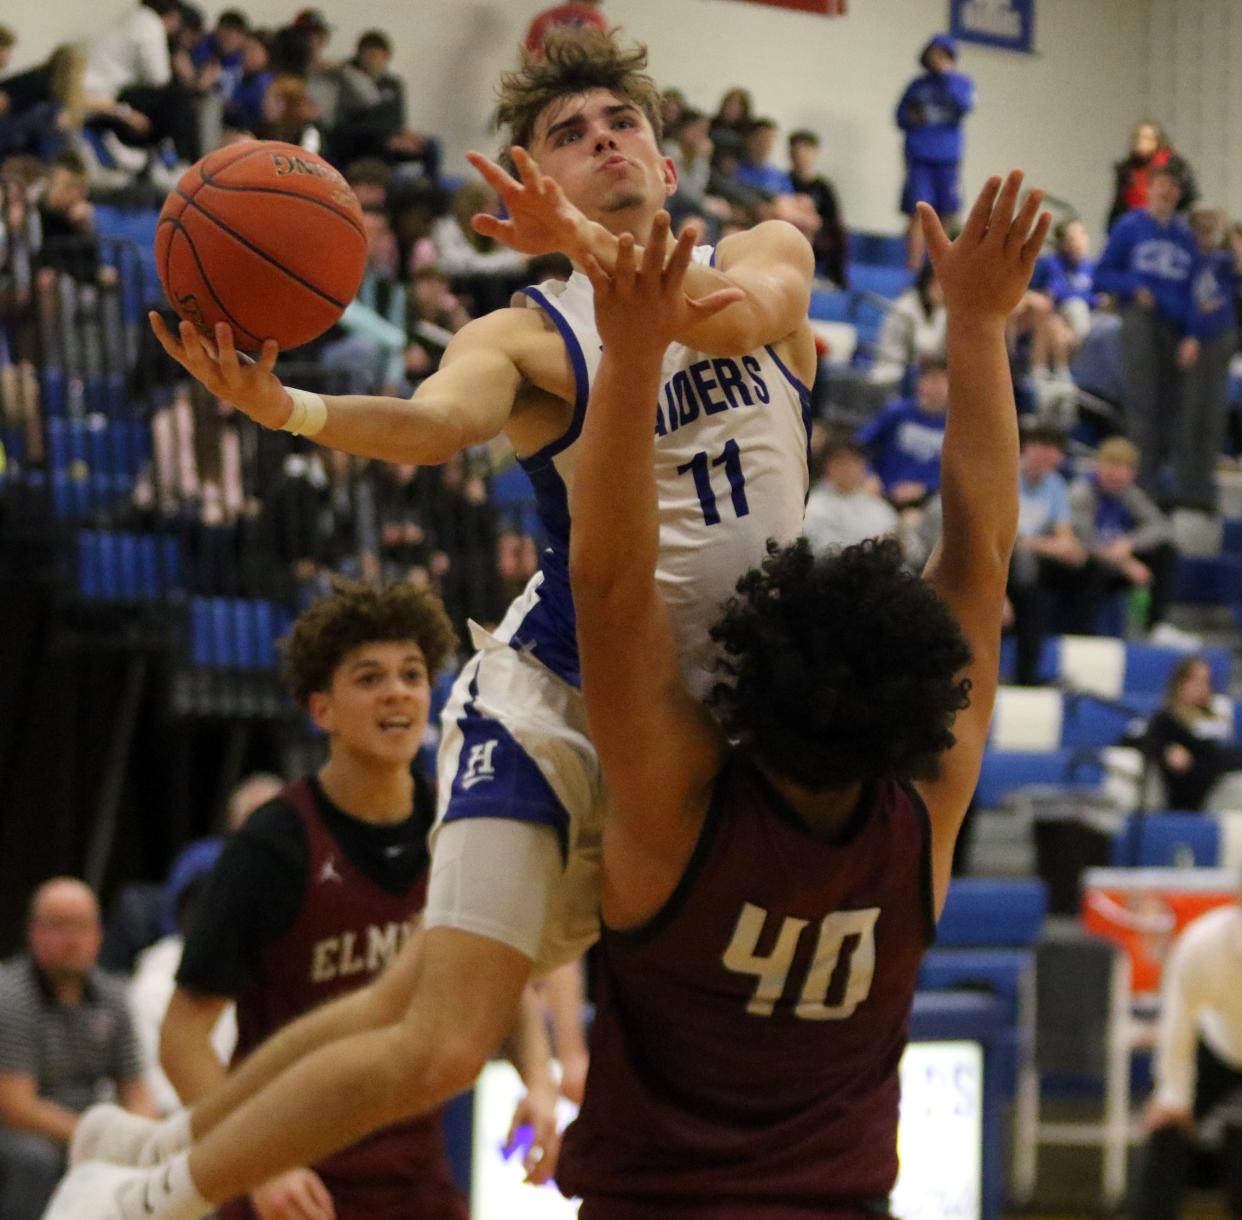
327, 204
241, 239
179, 228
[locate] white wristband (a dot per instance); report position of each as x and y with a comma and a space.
309, 414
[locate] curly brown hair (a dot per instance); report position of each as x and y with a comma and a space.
571, 61
355, 614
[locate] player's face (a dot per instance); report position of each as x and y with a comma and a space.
377, 705
601, 150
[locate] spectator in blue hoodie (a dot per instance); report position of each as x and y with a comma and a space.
904, 441
930, 113
1146, 267
1205, 353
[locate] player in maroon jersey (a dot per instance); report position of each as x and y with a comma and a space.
770, 880
316, 894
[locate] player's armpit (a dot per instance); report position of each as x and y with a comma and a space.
773, 265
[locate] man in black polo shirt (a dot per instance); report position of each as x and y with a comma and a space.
66, 1042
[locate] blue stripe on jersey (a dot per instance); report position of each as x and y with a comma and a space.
582, 384
804, 397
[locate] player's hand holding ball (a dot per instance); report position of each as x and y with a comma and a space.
987, 269
640, 307
260, 247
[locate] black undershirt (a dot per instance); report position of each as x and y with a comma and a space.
257, 888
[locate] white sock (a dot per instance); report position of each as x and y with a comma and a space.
169, 1137
164, 1192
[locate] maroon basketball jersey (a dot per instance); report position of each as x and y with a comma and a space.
347, 930
747, 1040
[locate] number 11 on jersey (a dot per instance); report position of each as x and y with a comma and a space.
698, 466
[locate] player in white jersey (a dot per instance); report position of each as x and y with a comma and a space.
514, 882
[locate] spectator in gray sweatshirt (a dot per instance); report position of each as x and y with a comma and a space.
1128, 539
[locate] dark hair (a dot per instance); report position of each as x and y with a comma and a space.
368, 171
1179, 673
572, 60
761, 124
162, 7
7, 37
374, 39
192, 18
803, 136
840, 669
1167, 171
933, 364
1045, 432
356, 614
70, 160
233, 19
922, 285
843, 442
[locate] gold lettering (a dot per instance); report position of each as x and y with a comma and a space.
351, 962
323, 967
382, 945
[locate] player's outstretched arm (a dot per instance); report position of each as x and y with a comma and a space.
772, 264
658, 748
467, 401
984, 274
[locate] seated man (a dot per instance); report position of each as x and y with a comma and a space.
66, 1042
841, 509
1128, 539
904, 441
1198, 1067
1048, 558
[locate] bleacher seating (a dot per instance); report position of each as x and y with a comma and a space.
992, 912
1160, 840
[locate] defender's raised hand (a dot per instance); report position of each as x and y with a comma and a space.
985, 271
641, 307
541, 220
251, 387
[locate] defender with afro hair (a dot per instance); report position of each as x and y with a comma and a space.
841, 669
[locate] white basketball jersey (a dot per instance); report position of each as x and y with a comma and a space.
730, 441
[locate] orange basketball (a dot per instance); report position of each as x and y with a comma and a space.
265, 236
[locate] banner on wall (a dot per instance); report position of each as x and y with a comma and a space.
1008, 24
825, 8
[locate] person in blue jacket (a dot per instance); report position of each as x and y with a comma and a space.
1146, 267
904, 441
1205, 353
930, 113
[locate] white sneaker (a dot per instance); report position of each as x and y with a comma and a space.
95, 1191
108, 1133
1168, 636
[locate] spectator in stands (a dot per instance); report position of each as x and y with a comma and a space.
905, 440
1198, 1067
733, 117
756, 170
1149, 151
1048, 560
1066, 279
930, 112
1126, 536
829, 243
459, 249
155, 971
688, 144
517, 560
225, 48
244, 108
842, 509
371, 119
323, 79
1146, 267
369, 177
66, 1042
1191, 742
129, 62
1205, 355
673, 105
914, 330
44, 106
577, 13
8, 40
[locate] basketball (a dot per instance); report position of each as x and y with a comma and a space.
264, 236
